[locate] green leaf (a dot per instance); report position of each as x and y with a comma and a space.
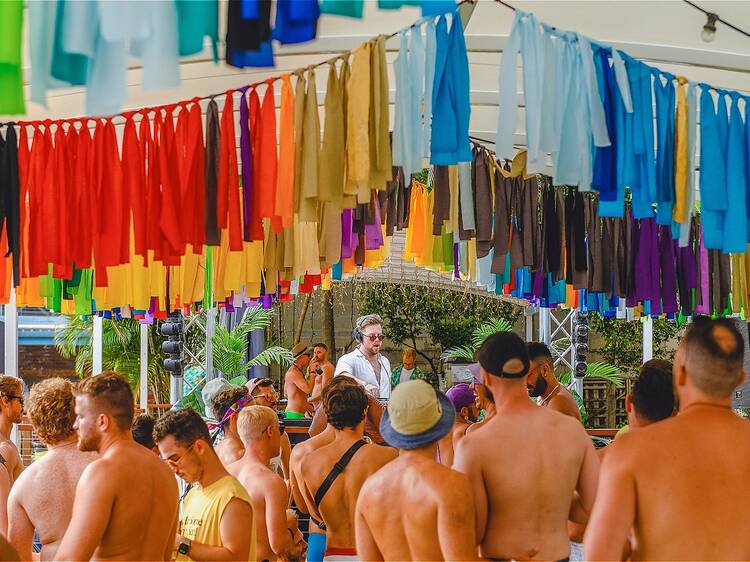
270, 356
491, 326
463, 352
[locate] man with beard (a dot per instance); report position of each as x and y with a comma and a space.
483, 399
371, 369
681, 484
42, 497
542, 384
11, 412
226, 406
429, 514
522, 505
126, 501
332, 476
217, 515
258, 427
320, 363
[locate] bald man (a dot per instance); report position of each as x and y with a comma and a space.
681, 484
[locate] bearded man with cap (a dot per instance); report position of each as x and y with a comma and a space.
523, 489
298, 383
437, 501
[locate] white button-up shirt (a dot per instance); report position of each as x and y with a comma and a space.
359, 367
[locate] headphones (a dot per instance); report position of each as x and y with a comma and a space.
357, 333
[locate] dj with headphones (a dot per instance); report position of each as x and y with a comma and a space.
366, 363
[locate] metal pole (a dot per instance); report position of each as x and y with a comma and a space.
544, 325
144, 367
11, 352
648, 339
176, 389
210, 329
96, 368
529, 317
11, 336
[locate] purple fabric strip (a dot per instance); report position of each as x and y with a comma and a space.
348, 241
456, 258
374, 232
704, 307
247, 164
668, 272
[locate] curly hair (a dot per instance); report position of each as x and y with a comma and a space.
51, 407
113, 396
345, 404
10, 385
143, 430
224, 399
185, 425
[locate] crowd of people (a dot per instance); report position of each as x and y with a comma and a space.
480, 472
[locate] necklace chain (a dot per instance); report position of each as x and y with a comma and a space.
549, 395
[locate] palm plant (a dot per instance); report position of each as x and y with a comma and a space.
120, 351
481, 333
230, 346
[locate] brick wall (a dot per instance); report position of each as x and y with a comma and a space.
36, 362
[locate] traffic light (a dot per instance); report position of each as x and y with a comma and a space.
172, 346
581, 344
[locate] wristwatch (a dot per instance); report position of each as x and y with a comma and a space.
184, 548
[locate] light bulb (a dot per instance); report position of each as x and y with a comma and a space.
709, 30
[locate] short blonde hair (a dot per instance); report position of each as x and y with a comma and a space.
253, 421
51, 408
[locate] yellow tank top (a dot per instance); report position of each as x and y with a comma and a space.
203, 508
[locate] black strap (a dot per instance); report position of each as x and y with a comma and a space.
337, 469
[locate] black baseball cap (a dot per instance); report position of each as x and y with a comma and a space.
501, 348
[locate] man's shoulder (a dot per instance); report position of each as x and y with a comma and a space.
380, 452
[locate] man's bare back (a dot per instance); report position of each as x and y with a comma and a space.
267, 491
337, 507
524, 465
42, 499
229, 450
125, 507
685, 478
564, 403
416, 509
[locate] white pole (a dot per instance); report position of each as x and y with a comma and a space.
11, 351
530, 326
544, 325
648, 339
144, 367
11, 336
97, 345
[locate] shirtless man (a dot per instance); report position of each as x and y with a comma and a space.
438, 501
464, 402
42, 497
345, 406
650, 400
320, 361
316, 541
372, 420
11, 412
217, 514
259, 430
681, 484
226, 406
263, 393
522, 504
542, 384
483, 399
126, 501
143, 432
298, 383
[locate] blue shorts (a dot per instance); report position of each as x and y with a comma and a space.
316, 547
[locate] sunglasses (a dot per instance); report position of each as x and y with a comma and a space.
375, 337
14, 397
175, 463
